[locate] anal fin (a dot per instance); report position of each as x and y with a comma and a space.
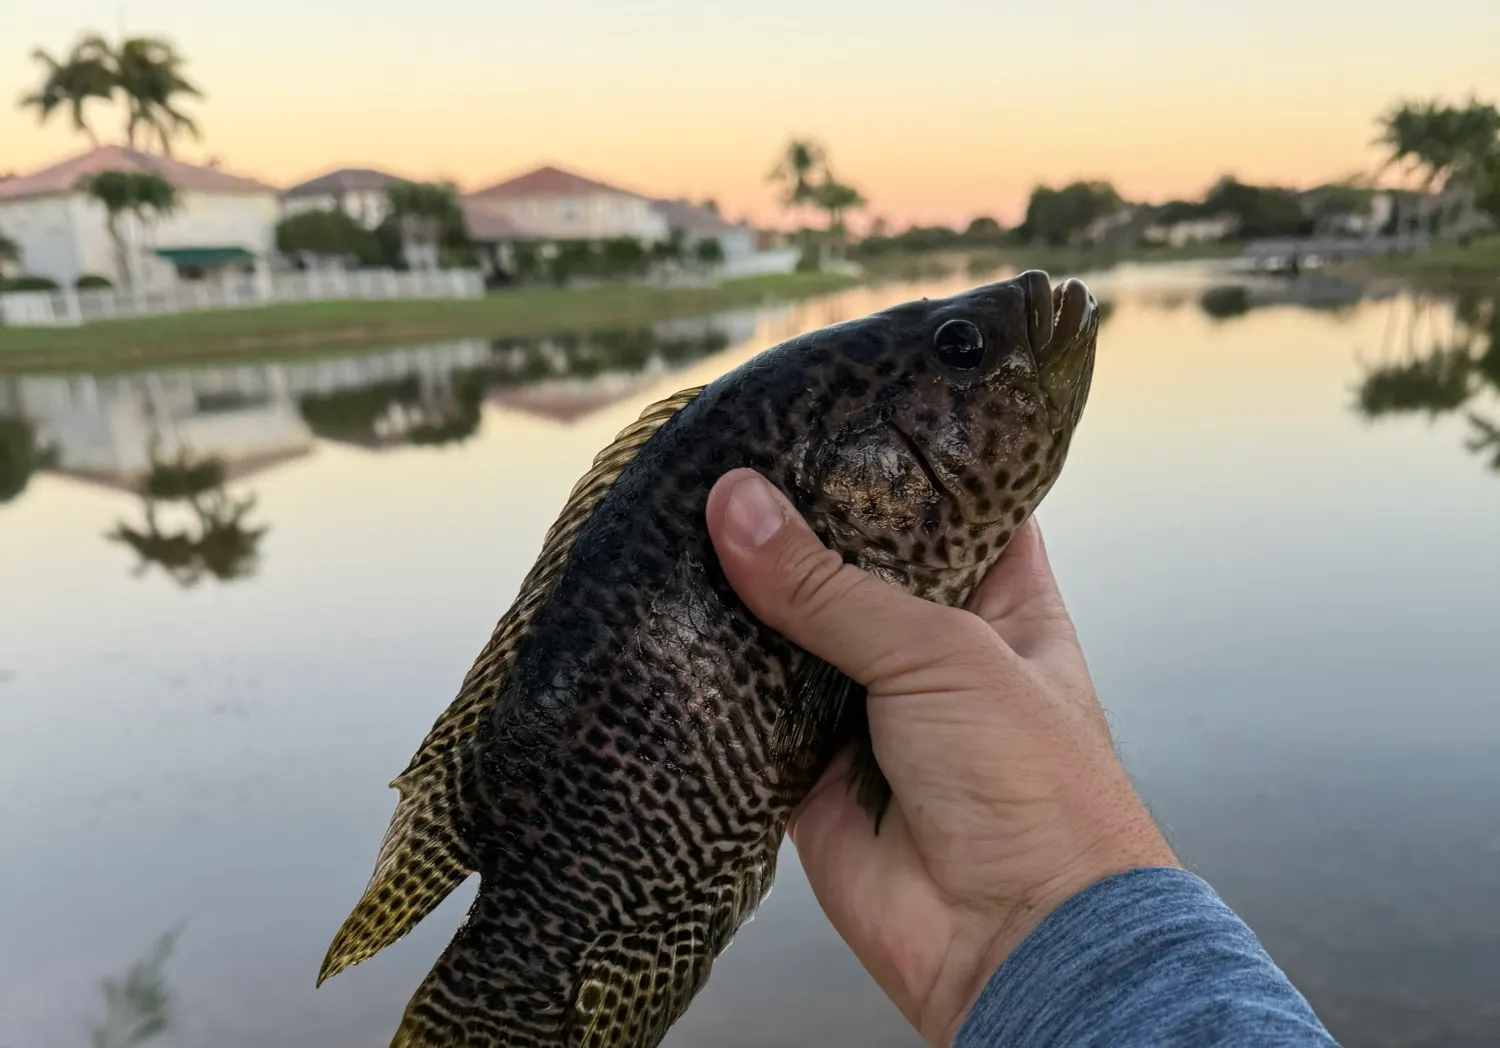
636, 983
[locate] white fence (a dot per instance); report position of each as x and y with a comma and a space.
69, 307
761, 263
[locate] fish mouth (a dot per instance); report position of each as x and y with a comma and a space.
1055, 317
1061, 325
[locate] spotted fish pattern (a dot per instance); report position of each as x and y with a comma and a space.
621, 760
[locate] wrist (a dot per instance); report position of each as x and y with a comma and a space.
982, 945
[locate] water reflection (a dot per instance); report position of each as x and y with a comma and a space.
216, 542
138, 1005
234, 423
20, 456
1434, 372
1310, 291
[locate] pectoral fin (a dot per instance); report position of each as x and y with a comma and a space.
825, 712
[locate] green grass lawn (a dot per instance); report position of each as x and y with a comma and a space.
299, 329
1442, 264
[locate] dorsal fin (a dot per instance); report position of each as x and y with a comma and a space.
426, 853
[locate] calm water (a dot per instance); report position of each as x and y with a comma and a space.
1289, 607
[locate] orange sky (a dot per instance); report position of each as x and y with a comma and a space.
938, 111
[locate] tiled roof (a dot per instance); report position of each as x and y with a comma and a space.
484, 225
548, 181
694, 220
190, 178
344, 180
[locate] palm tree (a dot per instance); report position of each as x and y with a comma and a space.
799, 170
1448, 147
146, 72
145, 196
87, 73
1407, 133
836, 198
149, 74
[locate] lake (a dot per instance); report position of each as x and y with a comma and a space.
1278, 531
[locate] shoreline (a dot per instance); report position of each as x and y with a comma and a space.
307, 329
314, 328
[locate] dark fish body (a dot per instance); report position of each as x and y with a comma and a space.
622, 758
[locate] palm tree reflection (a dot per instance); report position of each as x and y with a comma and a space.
137, 1005
1444, 373
215, 543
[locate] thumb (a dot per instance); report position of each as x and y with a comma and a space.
802, 589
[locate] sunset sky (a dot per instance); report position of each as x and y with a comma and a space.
937, 111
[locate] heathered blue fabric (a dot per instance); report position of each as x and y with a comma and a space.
1151, 957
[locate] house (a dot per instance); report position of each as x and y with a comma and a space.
222, 221
361, 193
1119, 230
697, 224
551, 204
494, 237
1193, 230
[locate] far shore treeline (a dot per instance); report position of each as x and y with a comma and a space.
1439, 177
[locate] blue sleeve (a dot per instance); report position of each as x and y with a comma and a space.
1149, 957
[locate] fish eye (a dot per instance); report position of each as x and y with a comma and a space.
959, 344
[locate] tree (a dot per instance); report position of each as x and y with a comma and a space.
709, 252
624, 256
800, 169
1487, 186
145, 196
1056, 216
1448, 148
149, 72
87, 74
1263, 211
836, 199
574, 259
327, 234
10, 251
146, 73
983, 228
526, 258
429, 220
673, 249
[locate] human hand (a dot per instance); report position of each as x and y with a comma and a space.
1008, 795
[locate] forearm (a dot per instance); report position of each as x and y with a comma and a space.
1150, 957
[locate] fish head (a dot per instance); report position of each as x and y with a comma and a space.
951, 420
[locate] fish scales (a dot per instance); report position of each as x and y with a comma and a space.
621, 760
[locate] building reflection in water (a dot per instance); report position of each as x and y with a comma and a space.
179, 439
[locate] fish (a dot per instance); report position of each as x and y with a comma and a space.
620, 762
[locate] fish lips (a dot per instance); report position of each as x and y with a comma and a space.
1061, 326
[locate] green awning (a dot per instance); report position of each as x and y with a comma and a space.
206, 257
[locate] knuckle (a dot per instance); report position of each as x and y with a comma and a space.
817, 577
